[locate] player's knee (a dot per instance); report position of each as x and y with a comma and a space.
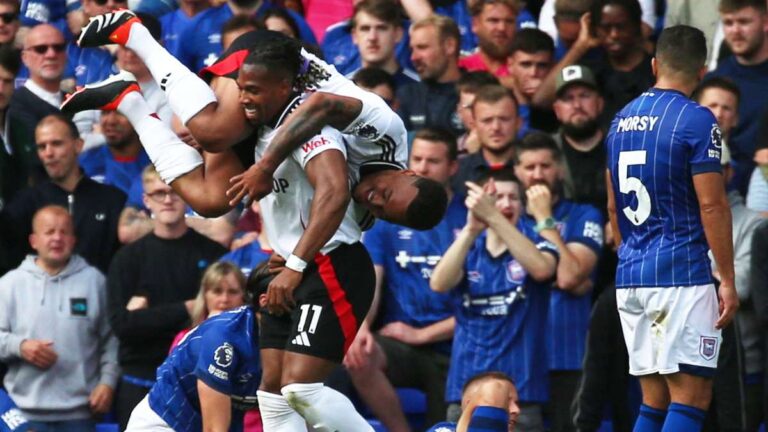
300, 397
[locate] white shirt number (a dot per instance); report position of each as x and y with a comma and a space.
633, 184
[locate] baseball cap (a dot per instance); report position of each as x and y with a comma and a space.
574, 74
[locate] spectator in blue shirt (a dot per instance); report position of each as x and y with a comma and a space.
500, 271
746, 36
577, 232
376, 31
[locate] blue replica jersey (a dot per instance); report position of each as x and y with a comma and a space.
11, 418
501, 322
408, 257
339, 50
655, 146
247, 257
202, 38
568, 317
222, 352
53, 12
90, 65
100, 165
174, 24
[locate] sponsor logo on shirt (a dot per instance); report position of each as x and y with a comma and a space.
313, 144
13, 418
78, 306
280, 185
404, 234
594, 231
218, 373
403, 258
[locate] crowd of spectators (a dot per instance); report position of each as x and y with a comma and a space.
506, 103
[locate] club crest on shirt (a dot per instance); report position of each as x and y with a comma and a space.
708, 347
515, 272
224, 354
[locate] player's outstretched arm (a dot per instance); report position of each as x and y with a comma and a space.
220, 125
716, 219
319, 110
215, 408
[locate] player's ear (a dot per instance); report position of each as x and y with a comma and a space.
703, 71
655, 67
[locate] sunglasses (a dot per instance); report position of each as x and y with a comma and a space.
103, 2
8, 17
42, 49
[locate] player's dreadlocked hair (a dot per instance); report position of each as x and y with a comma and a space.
428, 208
279, 54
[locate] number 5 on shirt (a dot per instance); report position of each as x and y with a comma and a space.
633, 184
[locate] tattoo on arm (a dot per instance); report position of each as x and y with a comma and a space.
307, 121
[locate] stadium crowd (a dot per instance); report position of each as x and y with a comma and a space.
506, 103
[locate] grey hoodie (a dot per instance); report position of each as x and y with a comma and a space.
69, 309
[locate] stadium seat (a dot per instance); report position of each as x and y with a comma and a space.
107, 427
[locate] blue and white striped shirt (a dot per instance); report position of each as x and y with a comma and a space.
223, 352
655, 145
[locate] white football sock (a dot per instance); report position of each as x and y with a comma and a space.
324, 408
277, 415
171, 156
187, 93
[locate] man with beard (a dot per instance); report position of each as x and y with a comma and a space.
576, 230
493, 21
578, 108
120, 162
745, 25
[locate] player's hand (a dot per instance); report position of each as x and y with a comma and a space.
280, 291
729, 304
402, 332
359, 354
101, 399
539, 201
254, 184
39, 352
276, 264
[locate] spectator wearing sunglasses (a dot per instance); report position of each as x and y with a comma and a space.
9, 21
44, 55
